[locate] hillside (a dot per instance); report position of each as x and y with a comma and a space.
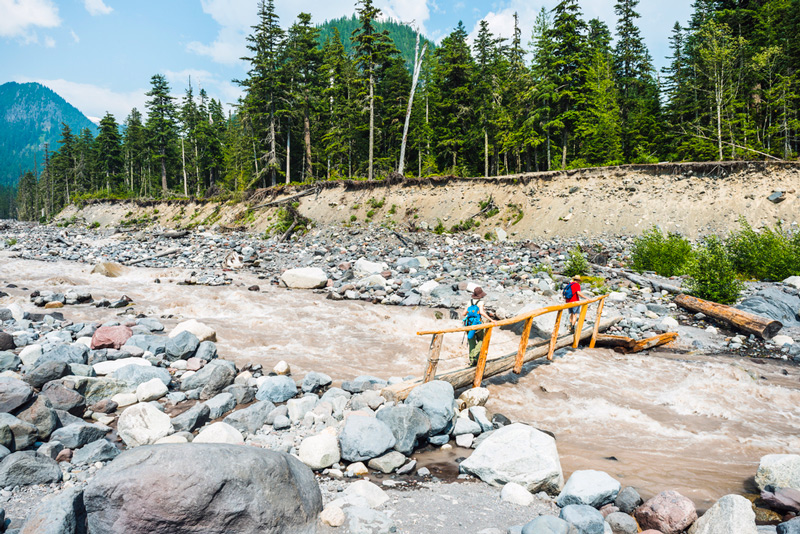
404, 36
30, 116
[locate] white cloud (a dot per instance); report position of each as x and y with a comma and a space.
49, 42
74, 36
93, 100
97, 7
20, 16
414, 12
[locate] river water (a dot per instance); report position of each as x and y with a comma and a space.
693, 423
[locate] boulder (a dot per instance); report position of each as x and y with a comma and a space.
789, 527
332, 516
363, 438
110, 337
669, 511
181, 346
151, 390
362, 267
46, 372
221, 488
299, 407
320, 451
206, 351
435, 398
241, 393
109, 269
142, 424
773, 303
219, 405
474, 397
62, 513
732, 513
23, 434
155, 344
585, 519
779, 470
76, 353
6, 438
314, 381
219, 433
369, 492
363, 383
782, 499
517, 453
363, 520
276, 389
41, 415
77, 435
194, 417
7, 341
97, 389
13, 393
304, 278
109, 367
9, 361
388, 462
26, 468
63, 398
154, 325
589, 487
100, 450
212, 378
548, 524
249, 420
465, 425
515, 494
133, 375
627, 500
622, 523
201, 331
408, 424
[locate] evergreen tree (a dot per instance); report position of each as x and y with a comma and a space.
161, 124
108, 152
543, 121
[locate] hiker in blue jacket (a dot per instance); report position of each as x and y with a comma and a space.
475, 314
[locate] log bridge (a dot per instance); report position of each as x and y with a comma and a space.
460, 378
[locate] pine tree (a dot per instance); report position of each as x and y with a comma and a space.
598, 127
108, 152
543, 93
161, 124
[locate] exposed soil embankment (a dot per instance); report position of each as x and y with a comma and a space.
690, 198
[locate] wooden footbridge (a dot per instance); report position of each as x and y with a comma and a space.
463, 377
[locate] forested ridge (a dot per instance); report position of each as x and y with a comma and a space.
554, 96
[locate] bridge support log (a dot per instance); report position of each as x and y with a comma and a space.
735, 318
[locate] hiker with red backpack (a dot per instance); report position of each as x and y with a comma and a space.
473, 315
572, 293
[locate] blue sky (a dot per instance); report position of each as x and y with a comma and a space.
100, 54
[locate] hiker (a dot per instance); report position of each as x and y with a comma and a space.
474, 315
572, 293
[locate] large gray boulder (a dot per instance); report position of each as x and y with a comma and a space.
41, 415
44, 373
13, 393
194, 417
24, 433
517, 453
95, 389
775, 304
211, 379
732, 513
76, 353
9, 361
363, 383
155, 344
548, 524
622, 523
589, 487
26, 468
408, 424
100, 450
219, 405
779, 470
363, 438
62, 513
276, 389
79, 434
249, 420
63, 398
134, 375
181, 347
436, 399
314, 381
199, 487
788, 527
585, 519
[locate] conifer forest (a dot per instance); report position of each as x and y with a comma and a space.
321, 104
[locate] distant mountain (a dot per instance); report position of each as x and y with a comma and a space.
404, 36
30, 116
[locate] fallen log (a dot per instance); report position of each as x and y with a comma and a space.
607, 341
737, 319
287, 199
643, 281
628, 345
461, 378
652, 342
175, 234
154, 256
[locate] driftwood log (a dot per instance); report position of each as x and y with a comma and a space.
737, 319
643, 281
461, 378
154, 256
175, 234
627, 345
287, 199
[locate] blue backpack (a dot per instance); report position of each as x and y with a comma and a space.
473, 318
567, 291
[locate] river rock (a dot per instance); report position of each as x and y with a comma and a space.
212, 378
627, 500
41, 415
589, 487
669, 511
155, 344
585, 519
46, 372
435, 398
388, 462
474, 397
622, 523
219, 405
9, 361
76, 353
219, 433
362, 520
77, 435
194, 417
779, 470
97, 389
304, 278
249, 420
332, 516
299, 407
26, 468
151, 390
466, 426
13, 393
364, 489
548, 524
320, 451
363, 438
363, 383
789, 527
109, 269
30, 354
517, 453
732, 513
516, 494
181, 346
143, 424
62, 513
315, 381
100, 450
134, 375
221, 488
773, 303
23, 433
7, 341
782, 499
110, 337
110, 367
206, 351
408, 424
64, 398
201, 331
362, 268
276, 389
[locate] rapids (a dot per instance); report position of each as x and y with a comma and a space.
694, 423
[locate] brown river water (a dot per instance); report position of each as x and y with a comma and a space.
694, 423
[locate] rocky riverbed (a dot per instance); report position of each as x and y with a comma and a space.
88, 373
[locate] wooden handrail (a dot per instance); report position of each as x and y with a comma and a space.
518, 318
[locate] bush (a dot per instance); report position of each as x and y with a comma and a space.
667, 256
95, 224
771, 254
439, 229
712, 275
576, 264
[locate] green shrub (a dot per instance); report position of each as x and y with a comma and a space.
353, 218
376, 204
464, 226
439, 229
771, 254
576, 264
370, 214
667, 256
393, 209
94, 225
488, 236
712, 275
11, 242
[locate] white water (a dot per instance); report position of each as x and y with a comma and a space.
696, 424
